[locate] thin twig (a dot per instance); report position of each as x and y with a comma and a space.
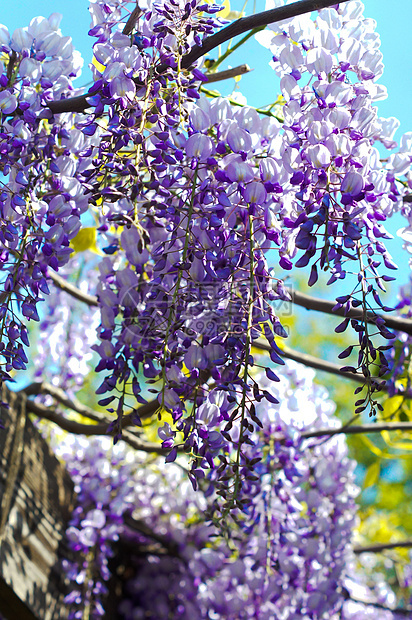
64, 285
80, 103
214, 94
377, 427
400, 544
78, 428
229, 73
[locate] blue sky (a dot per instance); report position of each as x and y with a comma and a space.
260, 86
393, 26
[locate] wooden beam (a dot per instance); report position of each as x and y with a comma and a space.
36, 501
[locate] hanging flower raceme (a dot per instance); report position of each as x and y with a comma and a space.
188, 289
41, 204
339, 192
189, 221
190, 194
196, 293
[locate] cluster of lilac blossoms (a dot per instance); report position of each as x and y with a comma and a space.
185, 288
196, 191
291, 556
41, 198
340, 191
190, 194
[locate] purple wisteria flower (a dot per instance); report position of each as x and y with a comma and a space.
188, 195
293, 551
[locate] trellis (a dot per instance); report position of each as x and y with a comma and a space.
37, 497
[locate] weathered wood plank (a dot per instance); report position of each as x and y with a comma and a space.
36, 500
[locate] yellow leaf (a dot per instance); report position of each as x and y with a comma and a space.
256, 351
372, 475
398, 445
84, 240
280, 344
225, 12
386, 437
392, 405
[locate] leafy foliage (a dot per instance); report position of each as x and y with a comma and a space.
158, 220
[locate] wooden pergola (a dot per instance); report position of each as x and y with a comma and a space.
36, 501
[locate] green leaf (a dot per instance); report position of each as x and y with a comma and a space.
372, 475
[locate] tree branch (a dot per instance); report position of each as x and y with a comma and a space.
80, 104
315, 362
401, 544
322, 305
229, 73
78, 428
377, 427
318, 364
143, 446
140, 526
300, 299
43, 387
64, 285
249, 23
